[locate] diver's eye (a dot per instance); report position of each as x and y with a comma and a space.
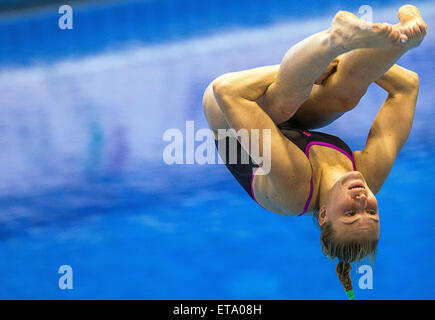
371, 212
350, 213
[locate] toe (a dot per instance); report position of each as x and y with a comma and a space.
411, 32
387, 27
418, 32
403, 39
422, 28
395, 34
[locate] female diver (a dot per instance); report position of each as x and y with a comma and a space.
313, 173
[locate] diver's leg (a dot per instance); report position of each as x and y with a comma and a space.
355, 71
305, 62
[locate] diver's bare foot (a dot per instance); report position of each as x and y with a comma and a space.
349, 32
412, 24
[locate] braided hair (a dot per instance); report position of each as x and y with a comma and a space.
343, 272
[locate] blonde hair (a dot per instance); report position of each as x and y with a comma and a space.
346, 250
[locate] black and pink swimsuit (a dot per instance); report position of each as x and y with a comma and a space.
304, 139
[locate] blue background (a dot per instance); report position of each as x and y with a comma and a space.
83, 182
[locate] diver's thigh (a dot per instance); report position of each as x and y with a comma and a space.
321, 108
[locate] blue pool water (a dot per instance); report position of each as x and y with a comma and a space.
83, 182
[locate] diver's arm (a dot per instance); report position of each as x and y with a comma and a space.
399, 81
391, 127
236, 95
394, 119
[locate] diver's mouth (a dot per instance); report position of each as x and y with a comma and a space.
357, 185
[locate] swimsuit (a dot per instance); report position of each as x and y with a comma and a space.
304, 139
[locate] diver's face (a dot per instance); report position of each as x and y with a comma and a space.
352, 207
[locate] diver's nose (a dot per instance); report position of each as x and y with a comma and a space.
361, 195
361, 198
